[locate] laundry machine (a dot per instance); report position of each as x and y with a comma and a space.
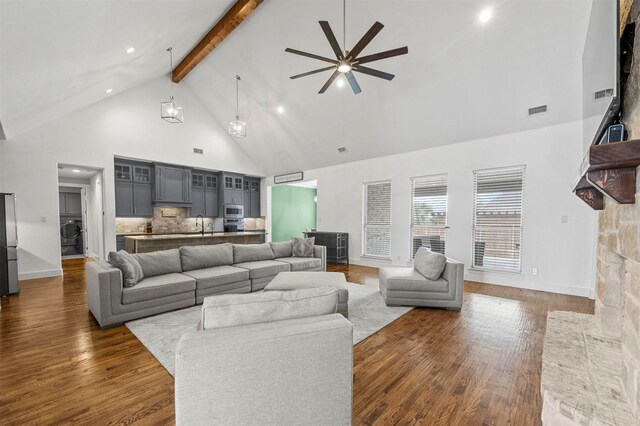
71, 239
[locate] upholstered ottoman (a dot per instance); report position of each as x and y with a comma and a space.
297, 280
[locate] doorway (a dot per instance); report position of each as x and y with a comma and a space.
81, 200
293, 209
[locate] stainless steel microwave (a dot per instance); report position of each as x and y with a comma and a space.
233, 211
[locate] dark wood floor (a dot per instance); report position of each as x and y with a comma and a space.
480, 366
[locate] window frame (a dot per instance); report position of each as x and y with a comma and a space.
492, 269
364, 225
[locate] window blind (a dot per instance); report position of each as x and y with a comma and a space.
428, 213
497, 218
376, 220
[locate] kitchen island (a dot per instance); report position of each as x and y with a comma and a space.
147, 243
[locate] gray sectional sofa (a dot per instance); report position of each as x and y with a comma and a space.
183, 277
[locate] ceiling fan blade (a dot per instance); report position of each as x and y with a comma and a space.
366, 39
375, 73
382, 55
310, 55
304, 74
328, 83
332, 39
353, 82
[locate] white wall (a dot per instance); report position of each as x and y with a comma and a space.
125, 125
563, 253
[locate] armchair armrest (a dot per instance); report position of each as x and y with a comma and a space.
454, 274
104, 290
321, 253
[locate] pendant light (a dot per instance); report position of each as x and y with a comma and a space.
237, 128
169, 111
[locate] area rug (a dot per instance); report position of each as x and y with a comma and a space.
161, 333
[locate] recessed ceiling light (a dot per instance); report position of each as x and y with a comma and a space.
130, 50
485, 15
340, 82
280, 109
75, 171
109, 91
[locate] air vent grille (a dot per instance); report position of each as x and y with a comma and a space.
342, 149
538, 109
198, 151
604, 93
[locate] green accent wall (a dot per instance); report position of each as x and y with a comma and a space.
293, 210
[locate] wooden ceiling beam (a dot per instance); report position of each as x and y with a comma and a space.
234, 17
625, 8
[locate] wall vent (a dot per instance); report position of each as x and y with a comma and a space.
342, 149
198, 151
604, 93
538, 109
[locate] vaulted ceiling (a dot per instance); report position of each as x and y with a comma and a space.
461, 80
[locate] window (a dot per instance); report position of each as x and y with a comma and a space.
376, 220
497, 218
428, 213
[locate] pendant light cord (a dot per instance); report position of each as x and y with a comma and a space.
170, 50
237, 101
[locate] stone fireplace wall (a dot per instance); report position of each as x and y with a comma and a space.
618, 271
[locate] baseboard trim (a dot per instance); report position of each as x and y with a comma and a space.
528, 285
39, 274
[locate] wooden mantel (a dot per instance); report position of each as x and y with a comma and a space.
611, 172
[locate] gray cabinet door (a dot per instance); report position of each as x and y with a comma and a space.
255, 204
246, 200
173, 185
142, 204
197, 202
211, 207
124, 199
74, 204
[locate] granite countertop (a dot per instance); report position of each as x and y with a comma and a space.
137, 234
191, 235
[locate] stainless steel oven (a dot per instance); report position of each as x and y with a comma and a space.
233, 211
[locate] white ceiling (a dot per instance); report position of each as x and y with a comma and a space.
460, 81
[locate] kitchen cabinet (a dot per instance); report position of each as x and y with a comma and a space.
232, 188
251, 197
204, 194
133, 190
172, 185
70, 204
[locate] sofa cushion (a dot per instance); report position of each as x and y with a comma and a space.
200, 257
217, 276
302, 263
239, 309
264, 268
130, 268
159, 262
299, 280
429, 263
282, 249
158, 286
303, 247
408, 279
252, 252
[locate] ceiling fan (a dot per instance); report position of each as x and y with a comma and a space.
348, 61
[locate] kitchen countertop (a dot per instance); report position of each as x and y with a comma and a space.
190, 235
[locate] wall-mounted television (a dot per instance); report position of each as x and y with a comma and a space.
601, 95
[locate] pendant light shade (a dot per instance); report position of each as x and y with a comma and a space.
237, 128
170, 111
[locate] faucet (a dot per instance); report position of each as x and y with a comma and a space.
201, 223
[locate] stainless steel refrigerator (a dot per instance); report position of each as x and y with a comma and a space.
8, 245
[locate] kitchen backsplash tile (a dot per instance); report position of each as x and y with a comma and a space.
175, 220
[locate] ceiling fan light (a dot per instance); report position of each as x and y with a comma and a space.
344, 67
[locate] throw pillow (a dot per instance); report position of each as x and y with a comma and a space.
130, 268
283, 249
303, 247
429, 263
230, 310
